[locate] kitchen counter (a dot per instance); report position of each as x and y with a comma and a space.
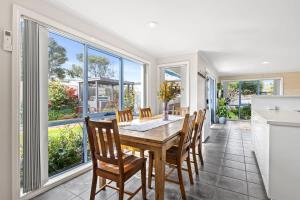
276, 139
280, 118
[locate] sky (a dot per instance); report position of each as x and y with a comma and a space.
132, 70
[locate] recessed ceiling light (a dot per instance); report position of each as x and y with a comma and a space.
265, 62
152, 24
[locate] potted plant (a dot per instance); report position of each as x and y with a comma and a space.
222, 111
169, 90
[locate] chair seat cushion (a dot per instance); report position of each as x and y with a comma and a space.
131, 163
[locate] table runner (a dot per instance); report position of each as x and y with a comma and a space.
143, 126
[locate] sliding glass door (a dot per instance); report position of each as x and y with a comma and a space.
239, 93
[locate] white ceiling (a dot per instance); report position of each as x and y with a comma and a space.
235, 35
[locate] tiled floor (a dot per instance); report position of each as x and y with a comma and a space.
229, 173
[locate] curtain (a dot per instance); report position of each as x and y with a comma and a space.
31, 107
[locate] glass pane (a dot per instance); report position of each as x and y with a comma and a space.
233, 112
232, 92
245, 112
133, 85
248, 89
64, 147
174, 74
270, 87
65, 77
103, 78
65, 72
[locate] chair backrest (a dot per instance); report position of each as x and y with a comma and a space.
198, 126
104, 142
181, 111
145, 112
124, 115
186, 134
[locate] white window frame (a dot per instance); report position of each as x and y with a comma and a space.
18, 12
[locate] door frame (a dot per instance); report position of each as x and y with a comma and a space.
185, 64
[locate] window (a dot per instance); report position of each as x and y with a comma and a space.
239, 94
133, 85
82, 80
65, 72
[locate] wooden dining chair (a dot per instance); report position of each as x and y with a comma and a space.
145, 113
127, 116
181, 111
124, 115
176, 155
109, 162
197, 139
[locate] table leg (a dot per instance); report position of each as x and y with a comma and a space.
160, 159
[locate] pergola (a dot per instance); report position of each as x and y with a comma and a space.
107, 82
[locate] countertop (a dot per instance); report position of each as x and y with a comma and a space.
280, 117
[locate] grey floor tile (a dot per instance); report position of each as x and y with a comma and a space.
222, 194
206, 178
202, 191
231, 184
76, 188
233, 157
234, 164
252, 168
207, 167
233, 173
235, 152
105, 194
213, 160
257, 191
58, 193
250, 160
254, 178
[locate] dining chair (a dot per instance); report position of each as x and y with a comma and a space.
181, 111
127, 116
145, 113
176, 155
197, 139
109, 162
124, 115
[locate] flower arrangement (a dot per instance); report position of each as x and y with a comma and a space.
169, 90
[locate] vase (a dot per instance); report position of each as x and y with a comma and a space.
222, 120
165, 112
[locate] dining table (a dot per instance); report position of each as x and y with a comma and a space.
156, 135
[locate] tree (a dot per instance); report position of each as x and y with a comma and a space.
76, 71
98, 66
57, 57
129, 98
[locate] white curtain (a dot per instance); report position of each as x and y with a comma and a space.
31, 107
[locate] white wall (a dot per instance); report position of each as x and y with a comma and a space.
67, 19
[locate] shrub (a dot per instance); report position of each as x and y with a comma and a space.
245, 112
64, 148
63, 101
233, 113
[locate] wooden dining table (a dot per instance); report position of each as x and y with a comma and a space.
158, 140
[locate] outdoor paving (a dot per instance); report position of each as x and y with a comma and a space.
230, 172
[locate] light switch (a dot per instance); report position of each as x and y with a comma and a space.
7, 40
